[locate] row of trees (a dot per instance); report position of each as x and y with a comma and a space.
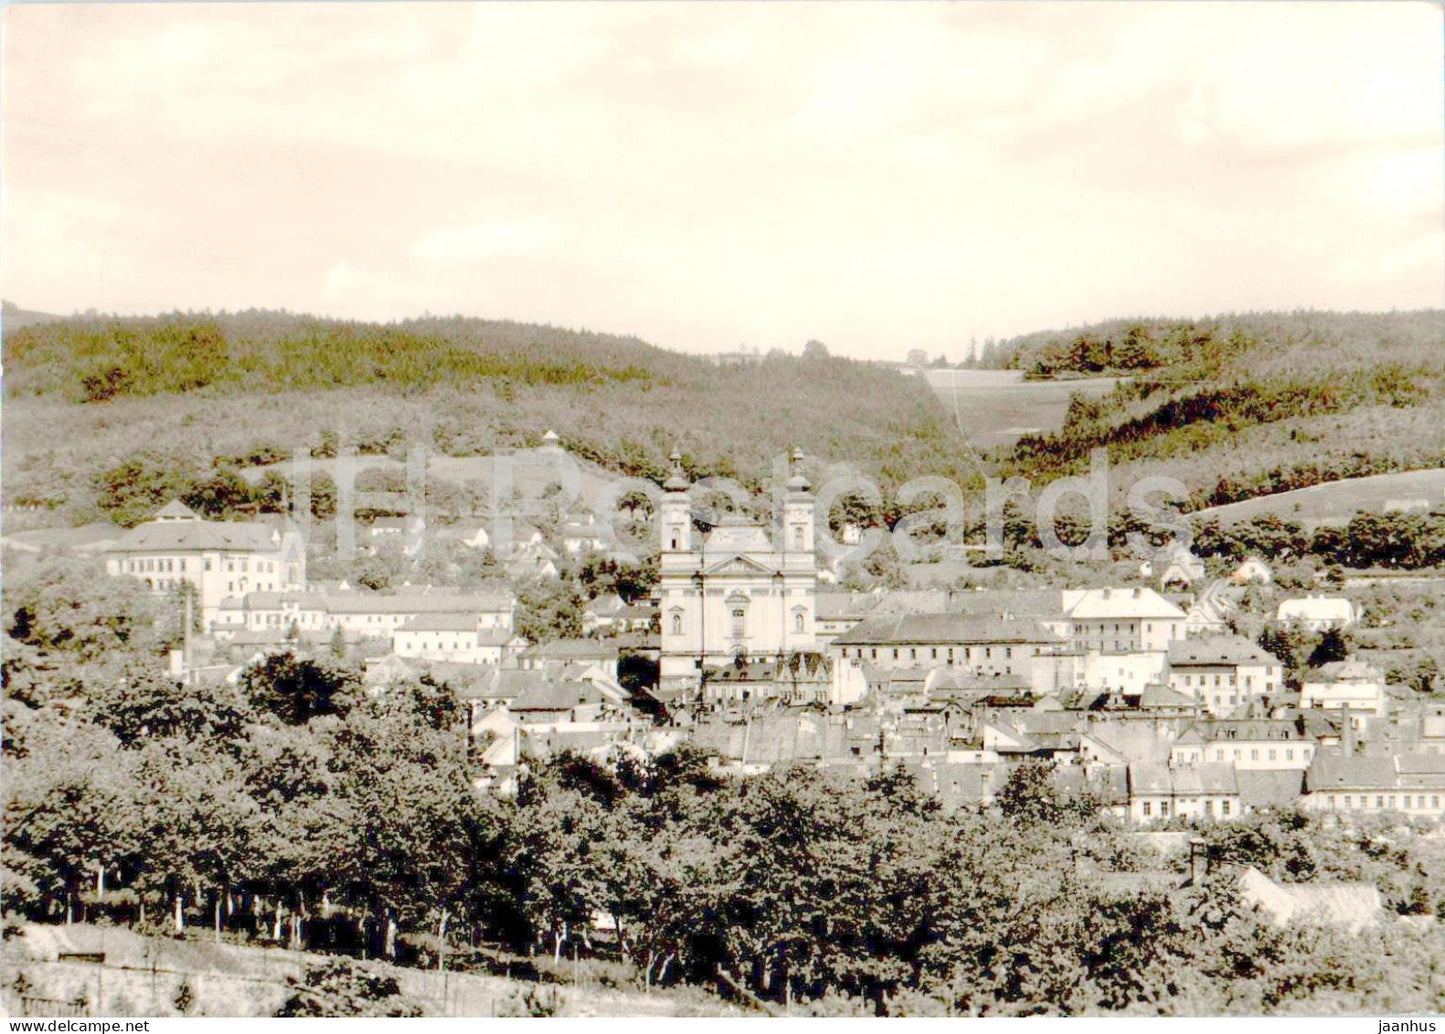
462, 387
349, 821
1391, 540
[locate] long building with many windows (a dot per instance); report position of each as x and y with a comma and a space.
217, 558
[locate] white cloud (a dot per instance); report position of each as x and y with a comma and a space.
708, 174
478, 242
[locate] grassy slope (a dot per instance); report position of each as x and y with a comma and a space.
241, 980
81, 394
994, 412
1250, 405
1333, 502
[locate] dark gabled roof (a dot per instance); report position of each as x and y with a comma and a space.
833, 605
1109, 782
943, 629
1223, 730
1269, 789
195, 535
417, 602
1217, 650
1161, 696
513, 682
571, 649
176, 510
1335, 772
1420, 764
441, 623
556, 696
1016, 603
1183, 780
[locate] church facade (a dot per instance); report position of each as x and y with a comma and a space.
743, 592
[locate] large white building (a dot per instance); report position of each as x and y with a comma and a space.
1130, 620
1351, 684
1223, 672
744, 592
217, 558
377, 615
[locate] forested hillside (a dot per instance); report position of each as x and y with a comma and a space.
85, 394
1240, 406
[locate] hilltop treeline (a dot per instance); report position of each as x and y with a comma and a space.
1242, 406
262, 384
1257, 344
93, 359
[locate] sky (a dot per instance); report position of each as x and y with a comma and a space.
876, 177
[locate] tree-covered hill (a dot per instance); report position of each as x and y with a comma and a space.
83, 394
1248, 405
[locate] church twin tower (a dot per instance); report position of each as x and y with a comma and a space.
745, 592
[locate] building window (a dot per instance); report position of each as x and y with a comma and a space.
1146, 807
797, 622
738, 616
1224, 807
797, 536
677, 624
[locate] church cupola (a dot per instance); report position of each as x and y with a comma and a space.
798, 510
676, 510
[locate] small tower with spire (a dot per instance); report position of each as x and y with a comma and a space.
798, 512
676, 510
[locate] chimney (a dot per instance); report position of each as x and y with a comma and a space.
1347, 732
1136, 593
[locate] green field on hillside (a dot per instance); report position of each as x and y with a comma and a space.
85, 395
1243, 406
1333, 502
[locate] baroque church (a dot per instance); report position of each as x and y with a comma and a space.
743, 593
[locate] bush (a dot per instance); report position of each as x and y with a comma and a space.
344, 989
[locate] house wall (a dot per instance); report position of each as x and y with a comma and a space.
1428, 802
1223, 687
1361, 697
1149, 808
215, 574
1127, 673
978, 658
1248, 755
